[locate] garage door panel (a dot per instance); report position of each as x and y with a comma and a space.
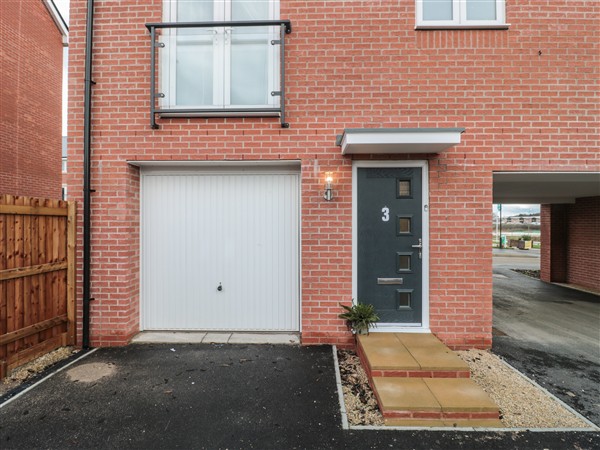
239, 231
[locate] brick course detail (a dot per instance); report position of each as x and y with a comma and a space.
31, 56
527, 97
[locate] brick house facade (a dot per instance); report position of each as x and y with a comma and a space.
526, 96
32, 39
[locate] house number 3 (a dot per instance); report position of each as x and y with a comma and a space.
386, 214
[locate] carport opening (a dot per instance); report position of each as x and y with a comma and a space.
567, 225
517, 239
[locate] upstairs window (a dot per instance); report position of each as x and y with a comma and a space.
220, 68
460, 14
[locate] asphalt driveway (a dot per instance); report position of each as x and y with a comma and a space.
548, 332
217, 396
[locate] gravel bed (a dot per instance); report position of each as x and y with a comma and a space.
23, 373
522, 405
528, 272
361, 405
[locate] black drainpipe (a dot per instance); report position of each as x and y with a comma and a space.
87, 138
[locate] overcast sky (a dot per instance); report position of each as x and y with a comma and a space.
63, 7
513, 210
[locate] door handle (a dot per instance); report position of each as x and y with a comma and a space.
419, 246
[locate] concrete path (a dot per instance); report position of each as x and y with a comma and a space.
508, 258
218, 396
549, 332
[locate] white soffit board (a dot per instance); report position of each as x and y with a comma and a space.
544, 187
356, 141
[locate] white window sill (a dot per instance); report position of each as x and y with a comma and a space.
500, 26
224, 113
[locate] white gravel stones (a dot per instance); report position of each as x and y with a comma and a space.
522, 404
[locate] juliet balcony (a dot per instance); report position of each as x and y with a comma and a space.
218, 69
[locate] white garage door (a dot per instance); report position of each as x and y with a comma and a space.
220, 249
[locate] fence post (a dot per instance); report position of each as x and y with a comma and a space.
71, 272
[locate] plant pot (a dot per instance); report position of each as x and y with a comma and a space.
524, 245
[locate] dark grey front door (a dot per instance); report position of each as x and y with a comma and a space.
389, 242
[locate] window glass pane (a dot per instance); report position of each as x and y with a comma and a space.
437, 9
249, 67
404, 300
404, 188
250, 55
249, 10
194, 11
404, 225
481, 9
194, 69
403, 262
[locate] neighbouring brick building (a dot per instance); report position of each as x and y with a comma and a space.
32, 36
571, 233
223, 217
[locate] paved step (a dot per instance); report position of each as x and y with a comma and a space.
435, 399
414, 355
418, 381
470, 423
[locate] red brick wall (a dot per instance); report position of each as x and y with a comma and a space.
571, 243
527, 97
31, 55
545, 236
584, 243
555, 240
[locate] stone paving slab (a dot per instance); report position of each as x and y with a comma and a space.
456, 395
385, 351
404, 394
409, 351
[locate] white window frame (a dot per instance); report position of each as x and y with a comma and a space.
221, 61
459, 14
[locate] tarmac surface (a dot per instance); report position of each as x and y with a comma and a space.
548, 332
218, 396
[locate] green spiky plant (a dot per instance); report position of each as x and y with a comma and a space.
360, 317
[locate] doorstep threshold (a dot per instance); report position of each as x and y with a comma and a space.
214, 337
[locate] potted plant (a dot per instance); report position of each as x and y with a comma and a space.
360, 317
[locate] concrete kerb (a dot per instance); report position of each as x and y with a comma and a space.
214, 337
338, 382
347, 426
50, 375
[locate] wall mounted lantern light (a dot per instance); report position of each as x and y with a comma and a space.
328, 194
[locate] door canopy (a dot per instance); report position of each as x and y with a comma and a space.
397, 140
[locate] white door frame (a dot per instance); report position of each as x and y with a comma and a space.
395, 327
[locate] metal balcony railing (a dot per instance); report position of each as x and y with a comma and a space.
159, 40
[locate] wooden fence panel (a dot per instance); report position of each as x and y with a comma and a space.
37, 278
